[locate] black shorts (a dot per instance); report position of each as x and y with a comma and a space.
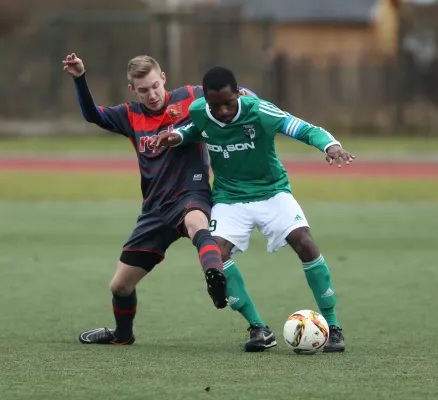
158, 229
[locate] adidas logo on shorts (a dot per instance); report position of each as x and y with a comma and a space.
298, 218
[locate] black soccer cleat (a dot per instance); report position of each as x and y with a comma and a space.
102, 336
217, 287
261, 338
335, 343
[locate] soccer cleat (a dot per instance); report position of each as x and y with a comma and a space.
261, 338
335, 343
217, 287
102, 336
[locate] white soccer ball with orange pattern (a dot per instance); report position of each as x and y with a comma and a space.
306, 332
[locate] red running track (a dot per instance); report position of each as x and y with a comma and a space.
376, 169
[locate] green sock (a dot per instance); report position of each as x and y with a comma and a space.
318, 278
238, 297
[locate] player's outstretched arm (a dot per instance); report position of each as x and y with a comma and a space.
276, 121
113, 119
166, 139
184, 135
75, 67
322, 140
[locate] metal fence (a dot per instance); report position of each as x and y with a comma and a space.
33, 83
384, 97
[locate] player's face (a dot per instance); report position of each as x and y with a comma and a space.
150, 89
223, 104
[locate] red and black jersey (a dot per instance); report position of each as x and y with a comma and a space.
170, 172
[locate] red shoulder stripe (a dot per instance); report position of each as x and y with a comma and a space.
190, 89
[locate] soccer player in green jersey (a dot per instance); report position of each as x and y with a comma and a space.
251, 187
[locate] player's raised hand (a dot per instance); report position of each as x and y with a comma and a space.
337, 154
165, 139
73, 65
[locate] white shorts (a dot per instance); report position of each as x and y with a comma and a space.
275, 218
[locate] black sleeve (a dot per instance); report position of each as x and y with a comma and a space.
114, 119
118, 118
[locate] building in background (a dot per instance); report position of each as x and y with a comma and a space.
358, 64
349, 30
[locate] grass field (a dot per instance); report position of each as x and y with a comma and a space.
60, 239
74, 186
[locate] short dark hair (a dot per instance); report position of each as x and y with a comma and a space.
217, 78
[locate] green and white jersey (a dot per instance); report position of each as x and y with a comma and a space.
243, 157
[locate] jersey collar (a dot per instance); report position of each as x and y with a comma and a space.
221, 124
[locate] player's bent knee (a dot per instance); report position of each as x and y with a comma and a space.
195, 221
126, 279
121, 289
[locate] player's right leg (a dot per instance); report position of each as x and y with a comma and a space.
124, 299
290, 226
124, 302
232, 226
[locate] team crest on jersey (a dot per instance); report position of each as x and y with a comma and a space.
175, 110
249, 131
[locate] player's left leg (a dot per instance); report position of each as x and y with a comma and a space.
232, 225
190, 215
291, 227
196, 224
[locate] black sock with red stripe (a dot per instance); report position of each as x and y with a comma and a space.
208, 249
124, 312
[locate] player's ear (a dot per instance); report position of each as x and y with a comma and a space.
163, 78
131, 88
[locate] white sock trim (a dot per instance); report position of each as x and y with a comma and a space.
314, 263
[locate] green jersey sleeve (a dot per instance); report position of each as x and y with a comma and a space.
271, 117
189, 134
276, 121
314, 136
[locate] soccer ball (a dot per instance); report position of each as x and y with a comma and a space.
306, 332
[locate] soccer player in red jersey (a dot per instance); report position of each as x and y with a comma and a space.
176, 195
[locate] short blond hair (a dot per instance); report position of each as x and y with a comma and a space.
140, 66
